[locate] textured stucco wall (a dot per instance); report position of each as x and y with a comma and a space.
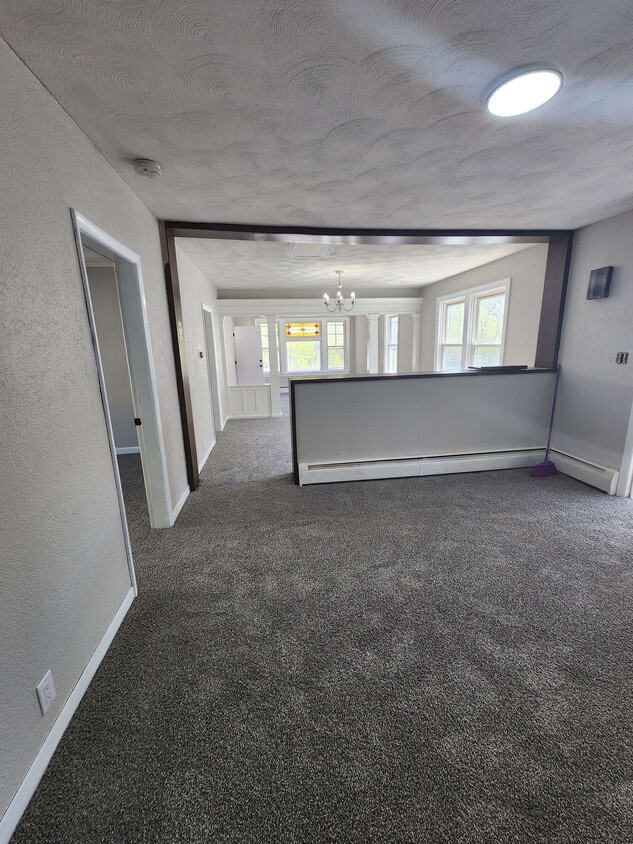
63, 565
527, 271
596, 394
107, 312
196, 290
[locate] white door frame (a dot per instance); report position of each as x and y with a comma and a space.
129, 278
625, 481
213, 369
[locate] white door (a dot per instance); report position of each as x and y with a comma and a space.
248, 354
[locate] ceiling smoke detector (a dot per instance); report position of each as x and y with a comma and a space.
146, 167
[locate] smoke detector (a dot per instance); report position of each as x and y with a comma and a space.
146, 167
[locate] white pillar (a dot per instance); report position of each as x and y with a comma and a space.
275, 399
415, 343
372, 343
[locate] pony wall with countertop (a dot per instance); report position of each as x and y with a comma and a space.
408, 425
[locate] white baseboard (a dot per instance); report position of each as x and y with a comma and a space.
25, 792
418, 466
205, 457
133, 449
179, 506
601, 477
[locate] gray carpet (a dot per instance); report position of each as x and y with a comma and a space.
444, 659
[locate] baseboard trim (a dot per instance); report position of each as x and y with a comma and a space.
601, 477
26, 790
205, 457
418, 466
133, 449
181, 501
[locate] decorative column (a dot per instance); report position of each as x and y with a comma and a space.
415, 343
372, 343
275, 400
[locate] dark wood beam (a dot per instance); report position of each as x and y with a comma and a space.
312, 234
553, 303
180, 357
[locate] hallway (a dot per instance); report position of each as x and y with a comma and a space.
444, 659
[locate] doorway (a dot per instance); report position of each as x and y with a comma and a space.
125, 368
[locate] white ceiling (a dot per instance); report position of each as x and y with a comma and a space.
268, 266
345, 112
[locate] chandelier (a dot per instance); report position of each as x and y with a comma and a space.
339, 304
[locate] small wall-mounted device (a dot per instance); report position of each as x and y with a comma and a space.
46, 692
622, 357
599, 283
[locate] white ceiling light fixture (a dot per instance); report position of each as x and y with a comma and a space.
147, 167
524, 90
339, 304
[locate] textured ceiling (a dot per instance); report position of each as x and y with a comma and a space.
345, 112
262, 265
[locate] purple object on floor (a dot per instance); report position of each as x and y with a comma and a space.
547, 468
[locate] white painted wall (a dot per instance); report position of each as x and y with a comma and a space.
61, 583
596, 394
195, 291
527, 271
107, 311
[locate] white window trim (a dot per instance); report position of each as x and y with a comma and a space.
469, 297
323, 338
388, 317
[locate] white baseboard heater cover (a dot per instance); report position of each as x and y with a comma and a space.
601, 477
325, 473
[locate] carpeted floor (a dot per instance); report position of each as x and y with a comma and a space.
443, 659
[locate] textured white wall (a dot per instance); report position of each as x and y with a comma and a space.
596, 394
61, 583
107, 311
527, 270
196, 290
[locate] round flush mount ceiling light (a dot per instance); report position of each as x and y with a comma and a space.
523, 91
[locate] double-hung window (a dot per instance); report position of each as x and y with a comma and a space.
303, 346
335, 345
471, 328
391, 362
263, 327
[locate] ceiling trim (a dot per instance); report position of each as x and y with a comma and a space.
308, 308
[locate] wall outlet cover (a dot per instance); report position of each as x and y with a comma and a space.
46, 692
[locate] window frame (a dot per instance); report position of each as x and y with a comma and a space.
324, 370
470, 297
389, 344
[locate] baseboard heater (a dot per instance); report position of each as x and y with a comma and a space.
601, 477
414, 467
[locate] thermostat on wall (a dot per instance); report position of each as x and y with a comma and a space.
599, 283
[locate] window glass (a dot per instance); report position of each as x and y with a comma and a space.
304, 356
454, 330
489, 323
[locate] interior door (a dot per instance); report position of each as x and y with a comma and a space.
248, 354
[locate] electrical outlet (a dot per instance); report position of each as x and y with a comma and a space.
46, 692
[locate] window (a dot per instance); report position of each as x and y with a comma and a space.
336, 345
303, 354
317, 346
263, 327
392, 344
471, 328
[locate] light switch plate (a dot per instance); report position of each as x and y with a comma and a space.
46, 692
